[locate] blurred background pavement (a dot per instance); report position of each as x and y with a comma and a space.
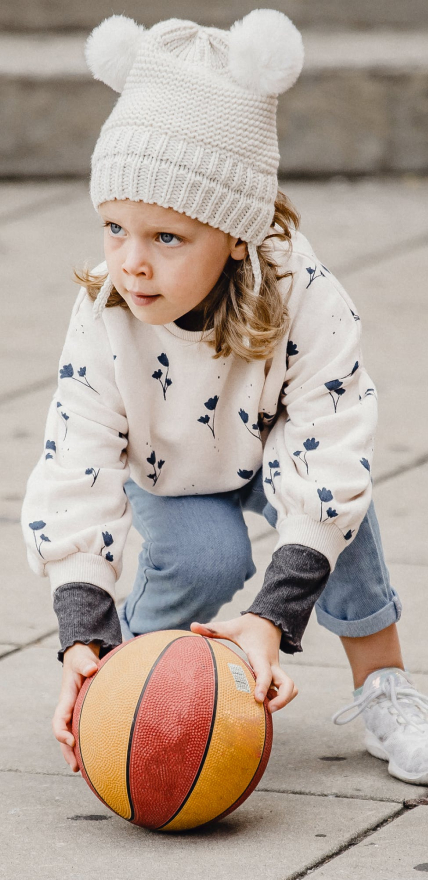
360, 106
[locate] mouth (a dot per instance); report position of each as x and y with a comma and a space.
144, 299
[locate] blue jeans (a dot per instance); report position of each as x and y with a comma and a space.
197, 554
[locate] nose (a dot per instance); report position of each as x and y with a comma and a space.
137, 262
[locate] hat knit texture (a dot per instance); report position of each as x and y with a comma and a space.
194, 128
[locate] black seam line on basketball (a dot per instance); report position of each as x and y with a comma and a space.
119, 648
131, 732
229, 809
204, 756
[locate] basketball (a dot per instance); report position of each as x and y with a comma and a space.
168, 733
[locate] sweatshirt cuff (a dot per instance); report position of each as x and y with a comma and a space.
82, 568
86, 613
293, 582
326, 538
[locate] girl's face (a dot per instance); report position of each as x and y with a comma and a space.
163, 264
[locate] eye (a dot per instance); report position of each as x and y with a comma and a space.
169, 238
114, 228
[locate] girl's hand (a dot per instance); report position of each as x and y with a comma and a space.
260, 640
80, 661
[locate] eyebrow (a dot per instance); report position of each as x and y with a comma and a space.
173, 221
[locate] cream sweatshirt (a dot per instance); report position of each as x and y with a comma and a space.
151, 403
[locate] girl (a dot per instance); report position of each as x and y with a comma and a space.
212, 365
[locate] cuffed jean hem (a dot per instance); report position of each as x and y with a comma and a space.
367, 626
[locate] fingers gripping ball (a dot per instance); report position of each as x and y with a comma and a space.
168, 733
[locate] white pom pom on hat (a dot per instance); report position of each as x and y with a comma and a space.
265, 52
112, 48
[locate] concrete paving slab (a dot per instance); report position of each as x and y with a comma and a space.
313, 755
57, 238
392, 334
21, 198
411, 584
6, 649
394, 852
309, 755
270, 835
402, 508
351, 223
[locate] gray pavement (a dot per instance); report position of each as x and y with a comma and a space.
324, 804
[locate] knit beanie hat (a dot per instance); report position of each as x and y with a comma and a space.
194, 128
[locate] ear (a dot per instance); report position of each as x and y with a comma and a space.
265, 52
112, 48
239, 249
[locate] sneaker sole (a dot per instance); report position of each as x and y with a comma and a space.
375, 748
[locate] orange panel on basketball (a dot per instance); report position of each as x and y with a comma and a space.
171, 730
107, 715
236, 748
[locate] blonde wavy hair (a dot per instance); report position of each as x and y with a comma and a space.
246, 325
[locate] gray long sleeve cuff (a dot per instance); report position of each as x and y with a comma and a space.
86, 613
294, 580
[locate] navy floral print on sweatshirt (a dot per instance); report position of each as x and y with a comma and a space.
255, 432
37, 526
63, 416
309, 445
108, 541
92, 472
165, 382
312, 272
274, 472
369, 392
325, 496
67, 372
50, 444
156, 469
210, 405
336, 386
292, 350
245, 475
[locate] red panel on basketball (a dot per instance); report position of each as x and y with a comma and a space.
169, 738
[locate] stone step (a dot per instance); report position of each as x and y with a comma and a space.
359, 107
50, 15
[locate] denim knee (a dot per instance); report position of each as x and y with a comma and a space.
203, 571
196, 555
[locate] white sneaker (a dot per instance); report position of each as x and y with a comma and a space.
396, 719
